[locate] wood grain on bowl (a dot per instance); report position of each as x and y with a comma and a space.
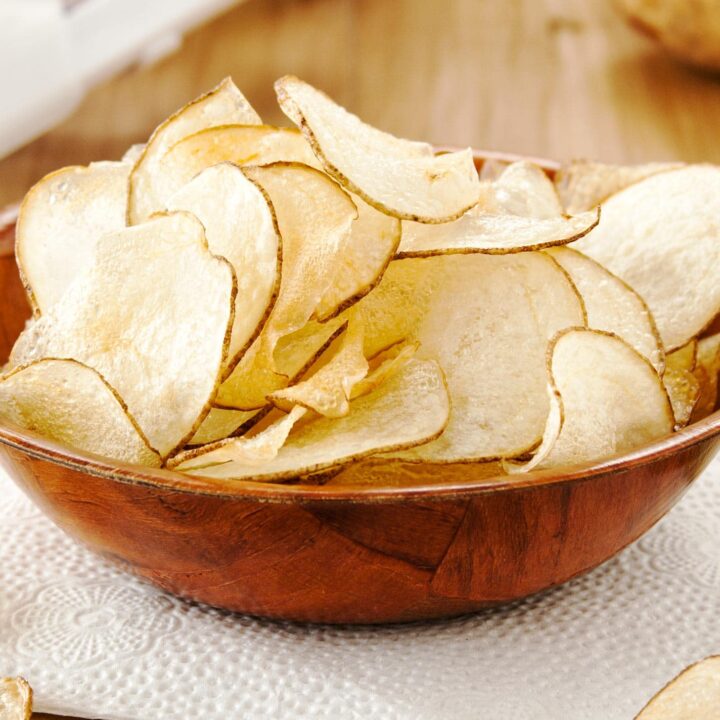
373, 542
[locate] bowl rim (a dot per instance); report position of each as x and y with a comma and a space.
41, 448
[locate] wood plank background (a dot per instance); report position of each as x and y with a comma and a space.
556, 78
553, 78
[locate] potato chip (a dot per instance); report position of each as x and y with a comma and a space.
386, 364
553, 426
221, 423
60, 220
223, 105
294, 355
487, 320
240, 226
259, 449
706, 371
153, 316
412, 407
401, 178
238, 144
314, 216
612, 305
684, 358
693, 695
683, 389
583, 185
368, 249
524, 189
16, 699
328, 390
662, 237
69, 402
517, 212
132, 155
610, 400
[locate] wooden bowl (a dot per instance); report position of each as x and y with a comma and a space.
420, 542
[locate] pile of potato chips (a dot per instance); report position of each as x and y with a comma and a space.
237, 300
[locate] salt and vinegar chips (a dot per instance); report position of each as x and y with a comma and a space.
241, 301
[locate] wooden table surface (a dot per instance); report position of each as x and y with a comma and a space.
552, 78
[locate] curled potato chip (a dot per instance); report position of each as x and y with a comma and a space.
60, 220
67, 401
610, 400
252, 380
693, 695
256, 450
684, 358
314, 216
612, 305
240, 226
683, 389
518, 211
221, 423
662, 237
706, 371
583, 185
223, 105
401, 178
134, 317
386, 364
16, 699
368, 249
328, 390
491, 346
412, 407
238, 144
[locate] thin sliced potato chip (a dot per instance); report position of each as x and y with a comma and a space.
517, 212
221, 423
153, 316
368, 249
412, 407
401, 178
612, 305
240, 226
386, 364
16, 699
259, 449
523, 189
60, 220
662, 237
487, 320
223, 105
583, 185
294, 356
693, 695
238, 144
683, 389
69, 402
706, 371
553, 426
684, 358
132, 155
610, 400
328, 390
314, 216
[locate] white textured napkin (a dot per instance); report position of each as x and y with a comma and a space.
94, 642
